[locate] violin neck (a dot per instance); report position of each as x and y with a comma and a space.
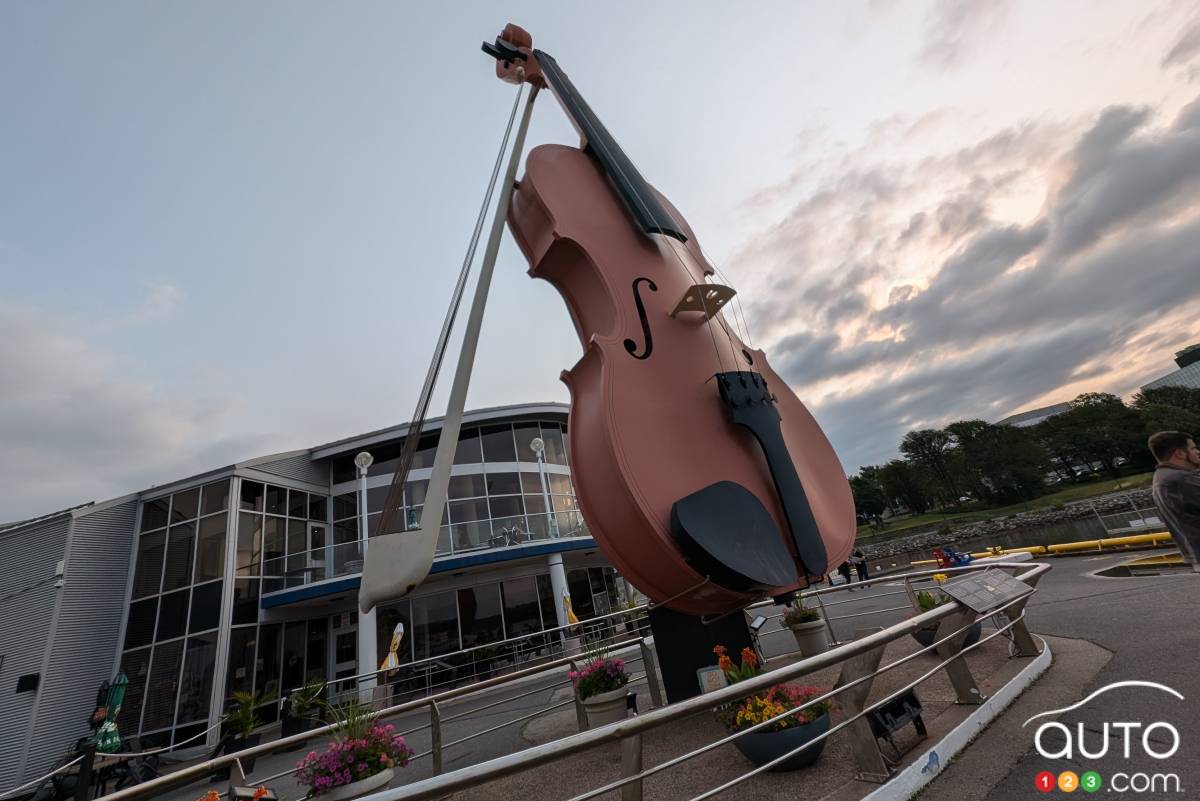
637, 195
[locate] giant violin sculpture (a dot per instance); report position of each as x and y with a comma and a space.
702, 476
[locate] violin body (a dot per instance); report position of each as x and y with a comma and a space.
676, 456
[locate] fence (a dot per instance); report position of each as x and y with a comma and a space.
860, 665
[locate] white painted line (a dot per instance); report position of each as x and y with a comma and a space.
926, 767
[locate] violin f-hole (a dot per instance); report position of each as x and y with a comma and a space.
630, 345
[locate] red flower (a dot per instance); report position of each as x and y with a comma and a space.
725, 663
719, 650
749, 657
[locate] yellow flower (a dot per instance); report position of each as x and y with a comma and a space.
940, 578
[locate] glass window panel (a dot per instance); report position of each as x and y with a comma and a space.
466, 511
426, 451
539, 525
581, 593
531, 483
180, 545
563, 503
521, 614
297, 536
266, 678
345, 505
273, 541
345, 532
414, 492
547, 601
276, 500
373, 524
210, 550
504, 484
376, 497
240, 677
559, 484
136, 667
195, 685
185, 734
162, 685
435, 625
478, 534
317, 507
172, 615
294, 640
508, 506
387, 459
249, 543
498, 444
159, 740
206, 607
147, 577
297, 503
471, 486
443, 543
525, 434
555, 452
386, 619
215, 498
468, 451
154, 514
245, 601
344, 469
185, 505
535, 504
139, 627
252, 496
316, 654
596, 579
479, 615
509, 531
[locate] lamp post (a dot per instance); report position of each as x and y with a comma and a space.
539, 448
367, 646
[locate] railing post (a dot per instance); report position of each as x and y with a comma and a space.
871, 766
83, 780
435, 737
631, 765
650, 663
1022, 639
956, 669
833, 640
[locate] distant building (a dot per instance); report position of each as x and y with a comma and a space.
1034, 416
1188, 374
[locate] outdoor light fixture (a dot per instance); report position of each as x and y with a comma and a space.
364, 460
537, 445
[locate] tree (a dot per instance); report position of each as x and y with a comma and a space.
868, 496
1178, 397
932, 449
904, 485
1005, 463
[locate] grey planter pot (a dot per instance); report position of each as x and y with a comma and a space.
926, 636
761, 747
812, 638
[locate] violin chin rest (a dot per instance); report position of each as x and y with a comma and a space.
726, 533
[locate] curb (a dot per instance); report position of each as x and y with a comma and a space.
926, 767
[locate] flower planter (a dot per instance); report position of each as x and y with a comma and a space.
762, 747
605, 708
927, 636
811, 637
360, 787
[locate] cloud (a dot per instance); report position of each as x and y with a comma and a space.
955, 26
77, 425
924, 302
1186, 47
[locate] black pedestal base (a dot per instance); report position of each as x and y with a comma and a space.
684, 645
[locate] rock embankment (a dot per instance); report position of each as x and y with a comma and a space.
949, 534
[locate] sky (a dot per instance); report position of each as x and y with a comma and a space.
232, 229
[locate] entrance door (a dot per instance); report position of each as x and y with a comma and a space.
344, 653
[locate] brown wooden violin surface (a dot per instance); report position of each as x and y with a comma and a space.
654, 409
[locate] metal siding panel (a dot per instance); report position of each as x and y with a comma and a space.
28, 556
300, 468
85, 634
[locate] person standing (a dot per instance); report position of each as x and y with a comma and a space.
860, 564
844, 569
1176, 490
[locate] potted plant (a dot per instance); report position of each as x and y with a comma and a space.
363, 756
807, 627
931, 600
241, 719
784, 735
600, 686
303, 710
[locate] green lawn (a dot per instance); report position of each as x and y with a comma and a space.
1074, 492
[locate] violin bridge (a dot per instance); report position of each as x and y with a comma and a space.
707, 299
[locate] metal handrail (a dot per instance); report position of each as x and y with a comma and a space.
201, 769
441, 785
636, 610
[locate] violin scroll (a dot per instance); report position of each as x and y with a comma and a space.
515, 60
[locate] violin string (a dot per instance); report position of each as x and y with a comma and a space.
645, 209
